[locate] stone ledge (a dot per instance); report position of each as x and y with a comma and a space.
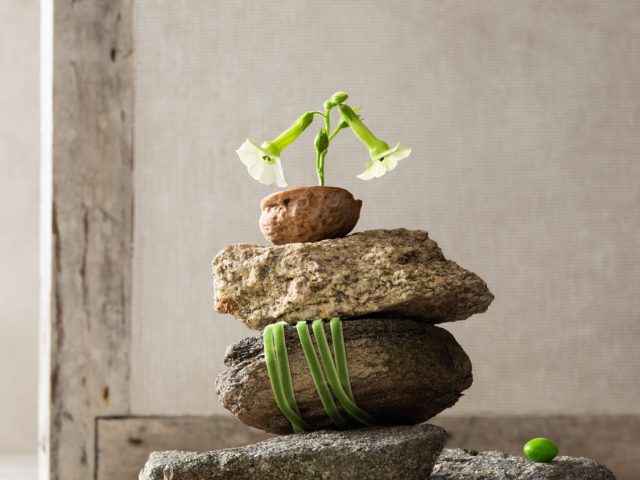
382, 453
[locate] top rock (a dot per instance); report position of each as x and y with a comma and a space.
400, 272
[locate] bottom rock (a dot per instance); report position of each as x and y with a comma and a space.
370, 453
470, 465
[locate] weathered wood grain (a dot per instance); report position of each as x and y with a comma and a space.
91, 226
124, 444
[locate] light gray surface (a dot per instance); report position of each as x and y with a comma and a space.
381, 453
523, 122
18, 224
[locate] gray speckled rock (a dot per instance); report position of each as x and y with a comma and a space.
402, 372
460, 464
376, 453
398, 272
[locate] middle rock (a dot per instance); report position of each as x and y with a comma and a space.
402, 371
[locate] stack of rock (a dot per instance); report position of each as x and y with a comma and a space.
390, 288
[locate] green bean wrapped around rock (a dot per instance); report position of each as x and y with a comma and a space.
402, 371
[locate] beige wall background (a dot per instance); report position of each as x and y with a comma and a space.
524, 118
19, 148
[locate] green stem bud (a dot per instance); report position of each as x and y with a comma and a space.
321, 141
338, 97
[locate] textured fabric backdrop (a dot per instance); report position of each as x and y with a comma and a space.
524, 118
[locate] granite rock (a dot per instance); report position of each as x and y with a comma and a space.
457, 464
377, 453
402, 372
400, 273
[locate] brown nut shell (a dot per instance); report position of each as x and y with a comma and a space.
308, 214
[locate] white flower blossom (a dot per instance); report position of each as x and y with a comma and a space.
385, 162
262, 164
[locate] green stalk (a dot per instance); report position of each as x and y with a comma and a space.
340, 355
318, 377
272, 368
283, 363
336, 383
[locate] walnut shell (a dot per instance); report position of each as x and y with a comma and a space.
308, 214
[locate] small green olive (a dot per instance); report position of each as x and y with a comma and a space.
540, 450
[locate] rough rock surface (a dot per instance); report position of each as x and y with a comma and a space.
378, 453
460, 464
402, 372
308, 214
395, 272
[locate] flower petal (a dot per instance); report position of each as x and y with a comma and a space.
249, 153
256, 170
268, 174
279, 173
378, 169
367, 174
399, 153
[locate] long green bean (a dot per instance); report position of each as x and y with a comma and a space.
318, 377
273, 370
332, 375
340, 355
284, 372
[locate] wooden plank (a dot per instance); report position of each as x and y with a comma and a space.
125, 443
89, 213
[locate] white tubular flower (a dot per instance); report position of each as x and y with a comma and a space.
385, 162
263, 164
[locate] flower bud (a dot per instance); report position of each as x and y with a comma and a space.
328, 104
338, 97
321, 141
304, 121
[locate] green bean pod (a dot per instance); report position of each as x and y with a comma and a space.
336, 384
318, 377
273, 369
340, 355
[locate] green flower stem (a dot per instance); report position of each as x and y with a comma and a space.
327, 120
340, 355
335, 381
272, 368
375, 145
319, 172
321, 169
283, 366
318, 377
